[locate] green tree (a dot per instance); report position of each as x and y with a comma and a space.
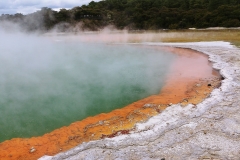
63, 15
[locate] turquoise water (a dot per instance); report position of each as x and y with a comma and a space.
47, 84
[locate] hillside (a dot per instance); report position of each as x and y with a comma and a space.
134, 15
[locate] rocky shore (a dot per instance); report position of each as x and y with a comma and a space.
208, 130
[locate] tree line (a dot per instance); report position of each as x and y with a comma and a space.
134, 15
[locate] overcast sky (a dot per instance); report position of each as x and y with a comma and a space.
30, 6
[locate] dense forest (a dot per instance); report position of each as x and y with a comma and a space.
134, 15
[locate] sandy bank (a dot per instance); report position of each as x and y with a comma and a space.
187, 83
208, 130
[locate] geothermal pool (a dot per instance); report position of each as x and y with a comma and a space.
47, 83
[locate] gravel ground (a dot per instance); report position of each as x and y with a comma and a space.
209, 130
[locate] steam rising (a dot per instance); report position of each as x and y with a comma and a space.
47, 82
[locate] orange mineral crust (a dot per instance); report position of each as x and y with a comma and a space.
191, 79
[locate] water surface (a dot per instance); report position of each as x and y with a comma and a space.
46, 84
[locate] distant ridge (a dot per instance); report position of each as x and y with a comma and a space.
133, 15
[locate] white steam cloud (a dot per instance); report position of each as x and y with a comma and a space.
47, 82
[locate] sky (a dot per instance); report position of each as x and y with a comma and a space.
30, 6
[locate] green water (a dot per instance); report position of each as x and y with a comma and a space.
46, 84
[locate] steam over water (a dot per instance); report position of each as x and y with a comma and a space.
46, 84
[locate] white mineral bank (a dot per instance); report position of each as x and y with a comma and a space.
209, 130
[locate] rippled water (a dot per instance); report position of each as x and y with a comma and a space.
47, 84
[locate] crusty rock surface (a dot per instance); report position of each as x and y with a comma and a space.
209, 130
